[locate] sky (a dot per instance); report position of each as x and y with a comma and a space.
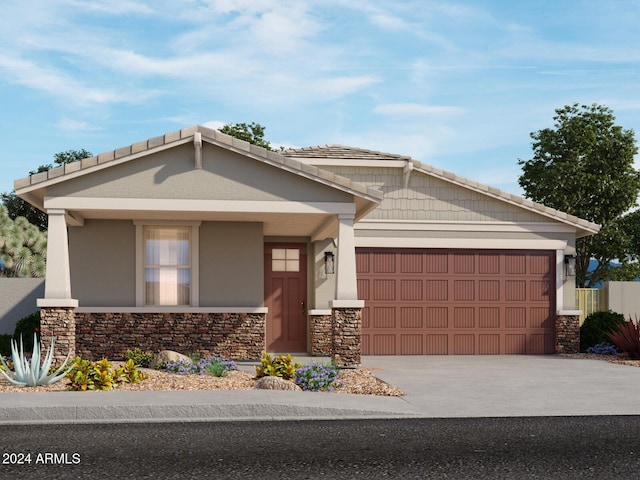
458, 85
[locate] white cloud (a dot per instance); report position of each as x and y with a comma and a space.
416, 109
214, 124
75, 125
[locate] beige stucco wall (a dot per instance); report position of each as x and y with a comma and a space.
17, 300
429, 198
224, 175
624, 298
231, 264
325, 285
102, 260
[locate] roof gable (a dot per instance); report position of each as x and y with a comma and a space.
196, 136
339, 155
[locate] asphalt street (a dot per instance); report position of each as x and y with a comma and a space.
599, 447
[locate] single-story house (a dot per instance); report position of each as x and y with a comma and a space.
198, 241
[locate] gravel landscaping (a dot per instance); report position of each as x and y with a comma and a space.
357, 381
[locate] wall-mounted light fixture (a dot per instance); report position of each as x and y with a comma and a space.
329, 264
570, 265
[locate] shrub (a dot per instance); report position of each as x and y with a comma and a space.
101, 375
131, 374
140, 358
603, 349
316, 377
596, 326
281, 366
26, 327
5, 344
216, 365
627, 338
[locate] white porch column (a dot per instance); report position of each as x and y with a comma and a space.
346, 280
57, 287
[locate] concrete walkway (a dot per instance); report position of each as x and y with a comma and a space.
435, 386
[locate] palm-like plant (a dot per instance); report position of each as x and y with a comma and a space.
31, 373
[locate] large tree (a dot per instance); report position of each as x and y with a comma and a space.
23, 247
252, 133
584, 166
16, 207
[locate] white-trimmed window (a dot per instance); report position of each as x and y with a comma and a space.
167, 270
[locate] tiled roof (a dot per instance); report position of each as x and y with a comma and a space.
186, 135
341, 152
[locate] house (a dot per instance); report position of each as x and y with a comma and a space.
197, 241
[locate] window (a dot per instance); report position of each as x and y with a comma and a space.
285, 260
167, 265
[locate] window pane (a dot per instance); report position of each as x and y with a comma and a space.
167, 286
285, 260
167, 246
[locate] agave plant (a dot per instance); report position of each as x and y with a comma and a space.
32, 373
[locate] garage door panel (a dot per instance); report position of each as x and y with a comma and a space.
437, 317
494, 304
464, 344
385, 344
489, 317
464, 290
411, 344
384, 317
437, 290
464, 317
489, 344
411, 290
436, 344
412, 317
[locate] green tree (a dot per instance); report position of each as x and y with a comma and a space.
584, 166
252, 133
17, 207
23, 247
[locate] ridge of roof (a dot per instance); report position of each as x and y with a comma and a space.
185, 135
332, 151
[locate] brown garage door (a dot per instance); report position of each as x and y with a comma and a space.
462, 302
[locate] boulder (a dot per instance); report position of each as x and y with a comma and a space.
167, 356
276, 383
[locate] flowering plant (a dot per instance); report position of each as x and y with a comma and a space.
603, 349
217, 365
316, 377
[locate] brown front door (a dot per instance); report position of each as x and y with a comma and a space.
285, 293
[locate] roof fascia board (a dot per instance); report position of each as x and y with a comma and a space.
185, 205
98, 166
336, 162
470, 226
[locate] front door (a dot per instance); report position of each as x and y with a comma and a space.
285, 293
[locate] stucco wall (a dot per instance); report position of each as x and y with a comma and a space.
231, 264
18, 299
102, 259
224, 175
624, 298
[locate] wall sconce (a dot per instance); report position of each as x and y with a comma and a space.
570, 265
329, 264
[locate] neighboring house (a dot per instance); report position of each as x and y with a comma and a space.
197, 241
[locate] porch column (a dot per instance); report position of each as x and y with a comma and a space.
346, 309
57, 319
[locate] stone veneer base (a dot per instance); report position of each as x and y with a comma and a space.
320, 335
346, 337
567, 334
238, 336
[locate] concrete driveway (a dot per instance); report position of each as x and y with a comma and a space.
499, 386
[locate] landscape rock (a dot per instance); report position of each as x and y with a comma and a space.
167, 356
276, 383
